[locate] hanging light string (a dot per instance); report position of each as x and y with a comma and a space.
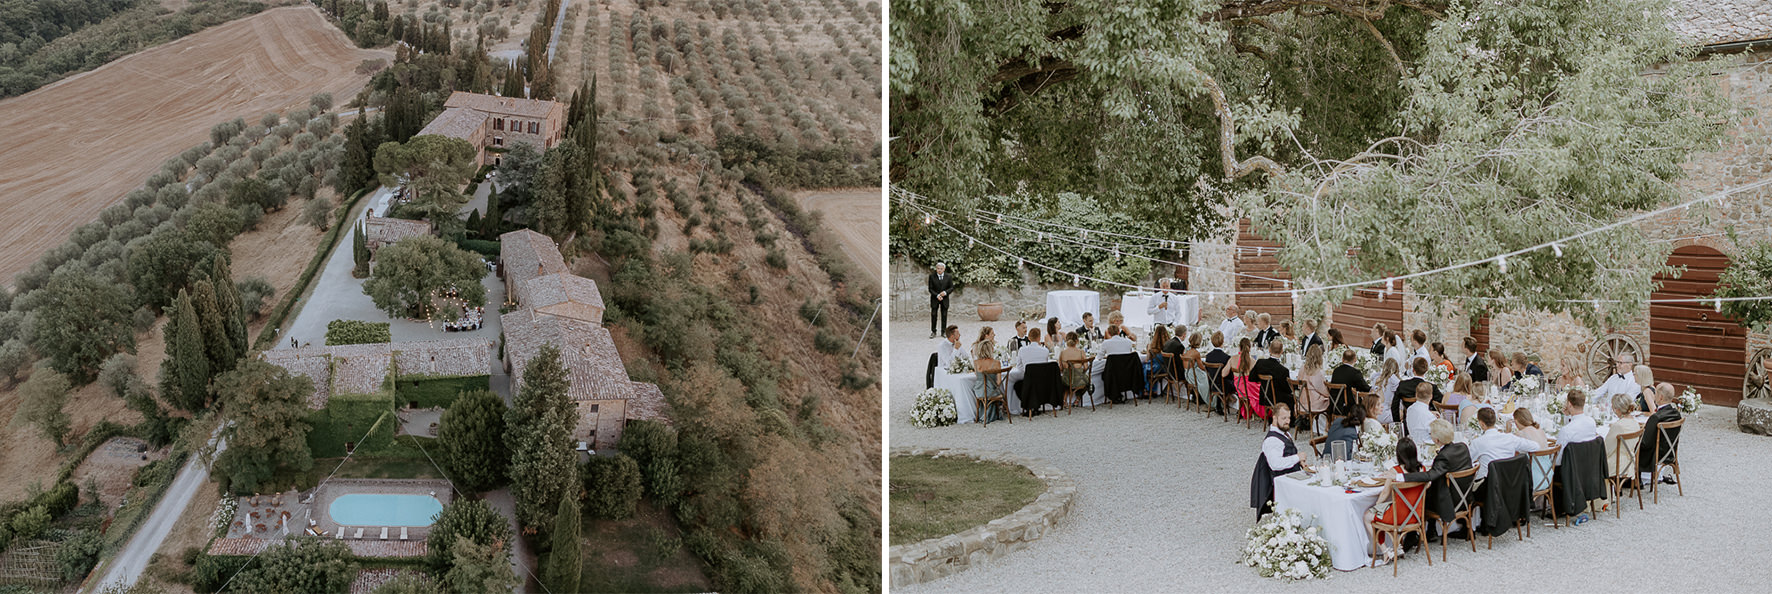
1500, 260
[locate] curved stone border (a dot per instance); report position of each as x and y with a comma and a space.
940, 557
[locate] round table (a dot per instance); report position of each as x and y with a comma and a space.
1133, 305
1069, 306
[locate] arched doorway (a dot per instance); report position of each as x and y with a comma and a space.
1691, 344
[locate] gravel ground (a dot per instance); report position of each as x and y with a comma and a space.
1162, 505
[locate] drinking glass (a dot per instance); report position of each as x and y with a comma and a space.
1338, 451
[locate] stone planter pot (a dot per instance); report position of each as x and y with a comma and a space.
989, 312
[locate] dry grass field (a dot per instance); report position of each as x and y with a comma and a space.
77, 146
854, 216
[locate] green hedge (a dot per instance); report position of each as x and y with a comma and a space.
489, 249
346, 418
159, 477
269, 335
436, 391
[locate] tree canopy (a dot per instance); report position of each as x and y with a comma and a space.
1370, 139
472, 435
434, 167
302, 564
538, 432
268, 414
411, 272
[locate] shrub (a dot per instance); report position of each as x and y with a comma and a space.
612, 486
30, 523
473, 519
827, 342
342, 332
253, 293
77, 555
776, 259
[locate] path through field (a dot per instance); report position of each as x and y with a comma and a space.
854, 216
78, 145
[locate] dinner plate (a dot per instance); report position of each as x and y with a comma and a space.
1368, 482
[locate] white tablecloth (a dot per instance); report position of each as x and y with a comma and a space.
1340, 515
962, 386
1068, 306
1190, 310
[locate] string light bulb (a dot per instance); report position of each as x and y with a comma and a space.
1558, 249
1719, 303
928, 219
1502, 260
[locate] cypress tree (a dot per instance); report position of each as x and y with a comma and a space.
360, 250
513, 86
563, 563
489, 225
227, 295
184, 375
215, 334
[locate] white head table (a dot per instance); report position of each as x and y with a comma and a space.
1068, 306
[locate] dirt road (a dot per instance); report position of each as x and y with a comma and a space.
854, 216
78, 145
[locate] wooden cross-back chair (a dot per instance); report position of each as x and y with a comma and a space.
1413, 520
1461, 493
1667, 455
1625, 460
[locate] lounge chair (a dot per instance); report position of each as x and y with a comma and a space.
384, 532
341, 533
402, 533
358, 535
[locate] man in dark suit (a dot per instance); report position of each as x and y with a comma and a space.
1271, 367
940, 284
1309, 326
1419, 368
1664, 413
1453, 457
1089, 331
1267, 332
1474, 365
1347, 375
1020, 339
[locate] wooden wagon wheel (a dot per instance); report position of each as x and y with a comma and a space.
1755, 383
1604, 351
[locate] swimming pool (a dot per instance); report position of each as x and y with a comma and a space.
376, 509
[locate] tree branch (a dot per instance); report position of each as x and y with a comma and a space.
1395, 59
1233, 169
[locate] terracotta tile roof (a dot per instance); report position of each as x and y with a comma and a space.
648, 403
527, 254
551, 289
380, 231
361, 368
456, 122
1715, 22
592, 363
530, 108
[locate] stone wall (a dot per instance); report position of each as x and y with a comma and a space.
940, 557
910, 295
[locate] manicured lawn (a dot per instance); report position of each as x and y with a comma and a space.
644, 553
934, 497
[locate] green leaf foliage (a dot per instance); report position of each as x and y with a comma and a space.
339, 332
471, 519
267, 411
564, 563
472, 433
81, 320
538, 429
612, 486
184, 374
302, 564
412, 271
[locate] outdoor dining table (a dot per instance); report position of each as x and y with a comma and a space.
964, 387
1339, 514
1068, 306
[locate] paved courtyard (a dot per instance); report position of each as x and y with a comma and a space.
338, 296
1162, 505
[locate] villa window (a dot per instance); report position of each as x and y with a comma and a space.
534, 128
498, 141
593, 408
498, 124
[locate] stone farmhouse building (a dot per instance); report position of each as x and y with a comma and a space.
493, 124
559, 308
1684, 344
381, 231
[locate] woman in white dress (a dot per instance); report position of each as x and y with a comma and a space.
1393, 350
1388, 379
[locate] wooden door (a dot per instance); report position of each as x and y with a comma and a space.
1356, 316
1260, 257
1691, 344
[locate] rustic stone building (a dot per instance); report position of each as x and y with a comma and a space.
493, 124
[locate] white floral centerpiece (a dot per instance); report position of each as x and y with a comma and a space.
934, 408
1004, 354
961, 364
1378, 446
1282, 547
1526, 384
1689, 400
1439, 376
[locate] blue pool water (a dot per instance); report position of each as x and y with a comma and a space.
374, 509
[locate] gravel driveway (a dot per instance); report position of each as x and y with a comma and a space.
1163, 493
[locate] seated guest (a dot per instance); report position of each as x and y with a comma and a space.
1371, 406
1117, 343
986, 345
1462, 390
1115, 318
1054, 338
1020, 339
1388, 379
1622, 380
1310, 335
1217, 354
1379, 331
1573, 374
1665, 412
1418, 345
949, 347
1033, 352
1347, 374
1390, 511
1071, 353
1623, 407
1286, 331
1271, 367
1347, 429
1088, 331
1316, 387
1279, 456
1499, 372
1393, 349
1437, 356
1473, 362
1178, 342
1526, 427
1196, 374
1153, 354
1452, 457
1335, 340
1418, 378
1494, 444
1232, 326
1524, 367
1420, 414
1264, 331
1646, 393
1235, 375
1578, 426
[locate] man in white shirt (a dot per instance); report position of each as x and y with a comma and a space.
1420, 414
1116, 343
1419, 339
1033, 352
1279, 455
1162, 306
1623, 380
1494, 445
1232, 326
1579, 426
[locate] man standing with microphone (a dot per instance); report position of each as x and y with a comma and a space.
940, 284
1162, 306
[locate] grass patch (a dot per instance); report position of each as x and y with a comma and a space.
644, 553
934, 497
436, 392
